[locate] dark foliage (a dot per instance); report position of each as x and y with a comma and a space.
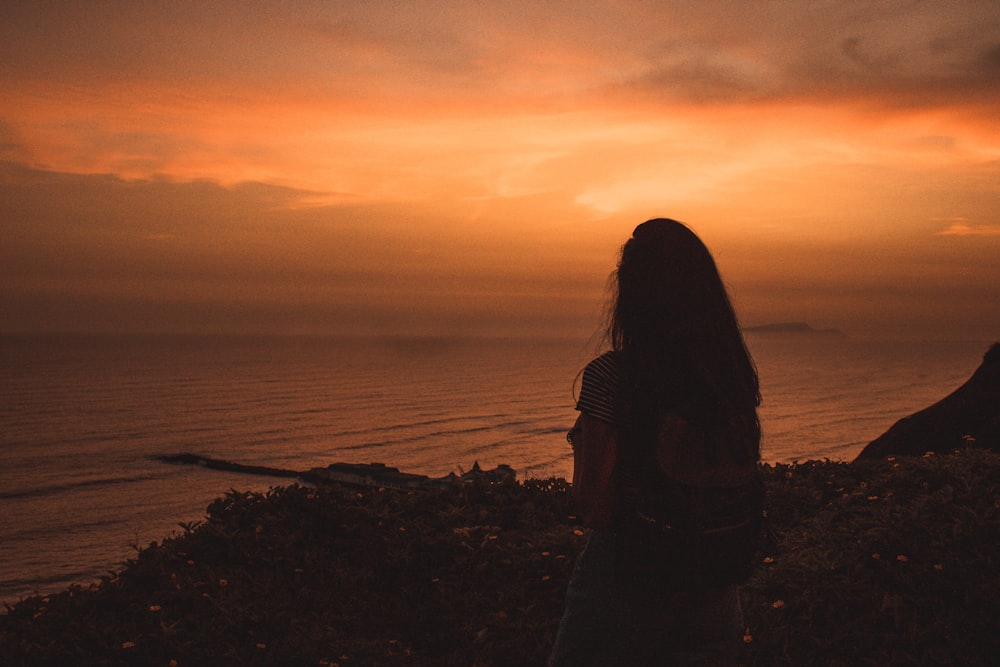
889, 562
880, 563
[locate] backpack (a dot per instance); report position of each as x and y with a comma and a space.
681, 536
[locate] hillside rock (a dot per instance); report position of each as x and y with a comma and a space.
970, 415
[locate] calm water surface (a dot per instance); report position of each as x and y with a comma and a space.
80, 419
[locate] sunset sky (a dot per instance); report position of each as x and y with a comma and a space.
472, 167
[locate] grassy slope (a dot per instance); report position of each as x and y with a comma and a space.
888, 562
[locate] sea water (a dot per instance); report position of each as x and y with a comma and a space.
83, 418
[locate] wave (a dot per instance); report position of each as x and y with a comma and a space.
68, 487
17, 588
75, 527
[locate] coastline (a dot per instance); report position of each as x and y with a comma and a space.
887, 561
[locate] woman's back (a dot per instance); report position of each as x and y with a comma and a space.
665, 463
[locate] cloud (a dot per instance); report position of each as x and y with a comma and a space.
97, 252
11, 145
884, 55
965, 229
523, 52
279, 148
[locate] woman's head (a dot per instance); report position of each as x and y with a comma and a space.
673, 323
667, 289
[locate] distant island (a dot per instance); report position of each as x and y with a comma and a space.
798, 328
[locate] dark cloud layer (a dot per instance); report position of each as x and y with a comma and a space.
891, 53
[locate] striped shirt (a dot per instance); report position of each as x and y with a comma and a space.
599, 388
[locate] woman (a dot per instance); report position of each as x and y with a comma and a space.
667, 427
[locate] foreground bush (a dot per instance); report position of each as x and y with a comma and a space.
881, 563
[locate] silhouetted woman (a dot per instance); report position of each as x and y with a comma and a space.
665, 455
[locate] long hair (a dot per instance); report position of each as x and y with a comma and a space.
680, 344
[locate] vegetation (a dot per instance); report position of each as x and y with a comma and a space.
881, 563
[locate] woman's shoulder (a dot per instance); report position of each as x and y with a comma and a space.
605, 367
599, 388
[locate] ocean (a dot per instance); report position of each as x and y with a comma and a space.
83, 418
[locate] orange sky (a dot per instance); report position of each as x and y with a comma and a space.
471, 167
